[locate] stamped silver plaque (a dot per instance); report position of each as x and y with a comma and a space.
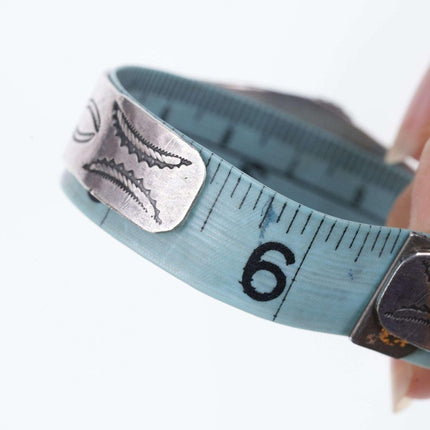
397, 319
404, 303
132, 162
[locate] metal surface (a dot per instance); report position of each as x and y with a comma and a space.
133, 163
397, 319
403, 305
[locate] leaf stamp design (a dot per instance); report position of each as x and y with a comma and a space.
414, 314
127, 181
144, 150
90, 124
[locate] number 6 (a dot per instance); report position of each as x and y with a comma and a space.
255, 264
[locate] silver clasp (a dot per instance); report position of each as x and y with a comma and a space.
397, 319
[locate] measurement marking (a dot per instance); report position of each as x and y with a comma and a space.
104, 218
306, 223
376, 239
237, 183
267, 210
282, 211
331, 229
225, 138
164, 113
355, 235
341, 237
309, 186
358, 196
298, 269
216, 199
209, 159
292, 220
385, 242
395, 242
216, 171
244, 197
362, 246
258, 198
284, 129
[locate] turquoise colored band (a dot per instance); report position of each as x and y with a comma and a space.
243, 241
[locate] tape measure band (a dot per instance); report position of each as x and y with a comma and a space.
262, 252
258, 136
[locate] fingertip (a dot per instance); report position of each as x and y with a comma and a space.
415, 128
419, 387
420, 197
401, 377
400, 211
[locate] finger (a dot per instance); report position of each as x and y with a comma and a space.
400, 211
412, 208
401, 371
415, 128
420, 221
420, 383
420, 196
401, 378
412, 381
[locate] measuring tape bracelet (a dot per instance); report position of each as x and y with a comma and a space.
194, 177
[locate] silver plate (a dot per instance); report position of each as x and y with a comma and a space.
404, 303
132, 162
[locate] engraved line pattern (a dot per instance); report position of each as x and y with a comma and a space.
421, 321
83, 136
137, 144
426, 265
126, 180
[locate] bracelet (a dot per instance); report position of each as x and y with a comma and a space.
195, 176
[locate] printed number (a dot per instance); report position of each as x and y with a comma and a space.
255, 264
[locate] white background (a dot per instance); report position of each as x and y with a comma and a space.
94, 337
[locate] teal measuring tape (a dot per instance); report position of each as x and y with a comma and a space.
272, 213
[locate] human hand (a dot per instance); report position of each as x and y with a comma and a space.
412, 210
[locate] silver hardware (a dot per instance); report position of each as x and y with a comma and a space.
133, 163
403, 305
397, 319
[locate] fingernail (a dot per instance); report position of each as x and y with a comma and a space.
415, 128
401, 379
397, 153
